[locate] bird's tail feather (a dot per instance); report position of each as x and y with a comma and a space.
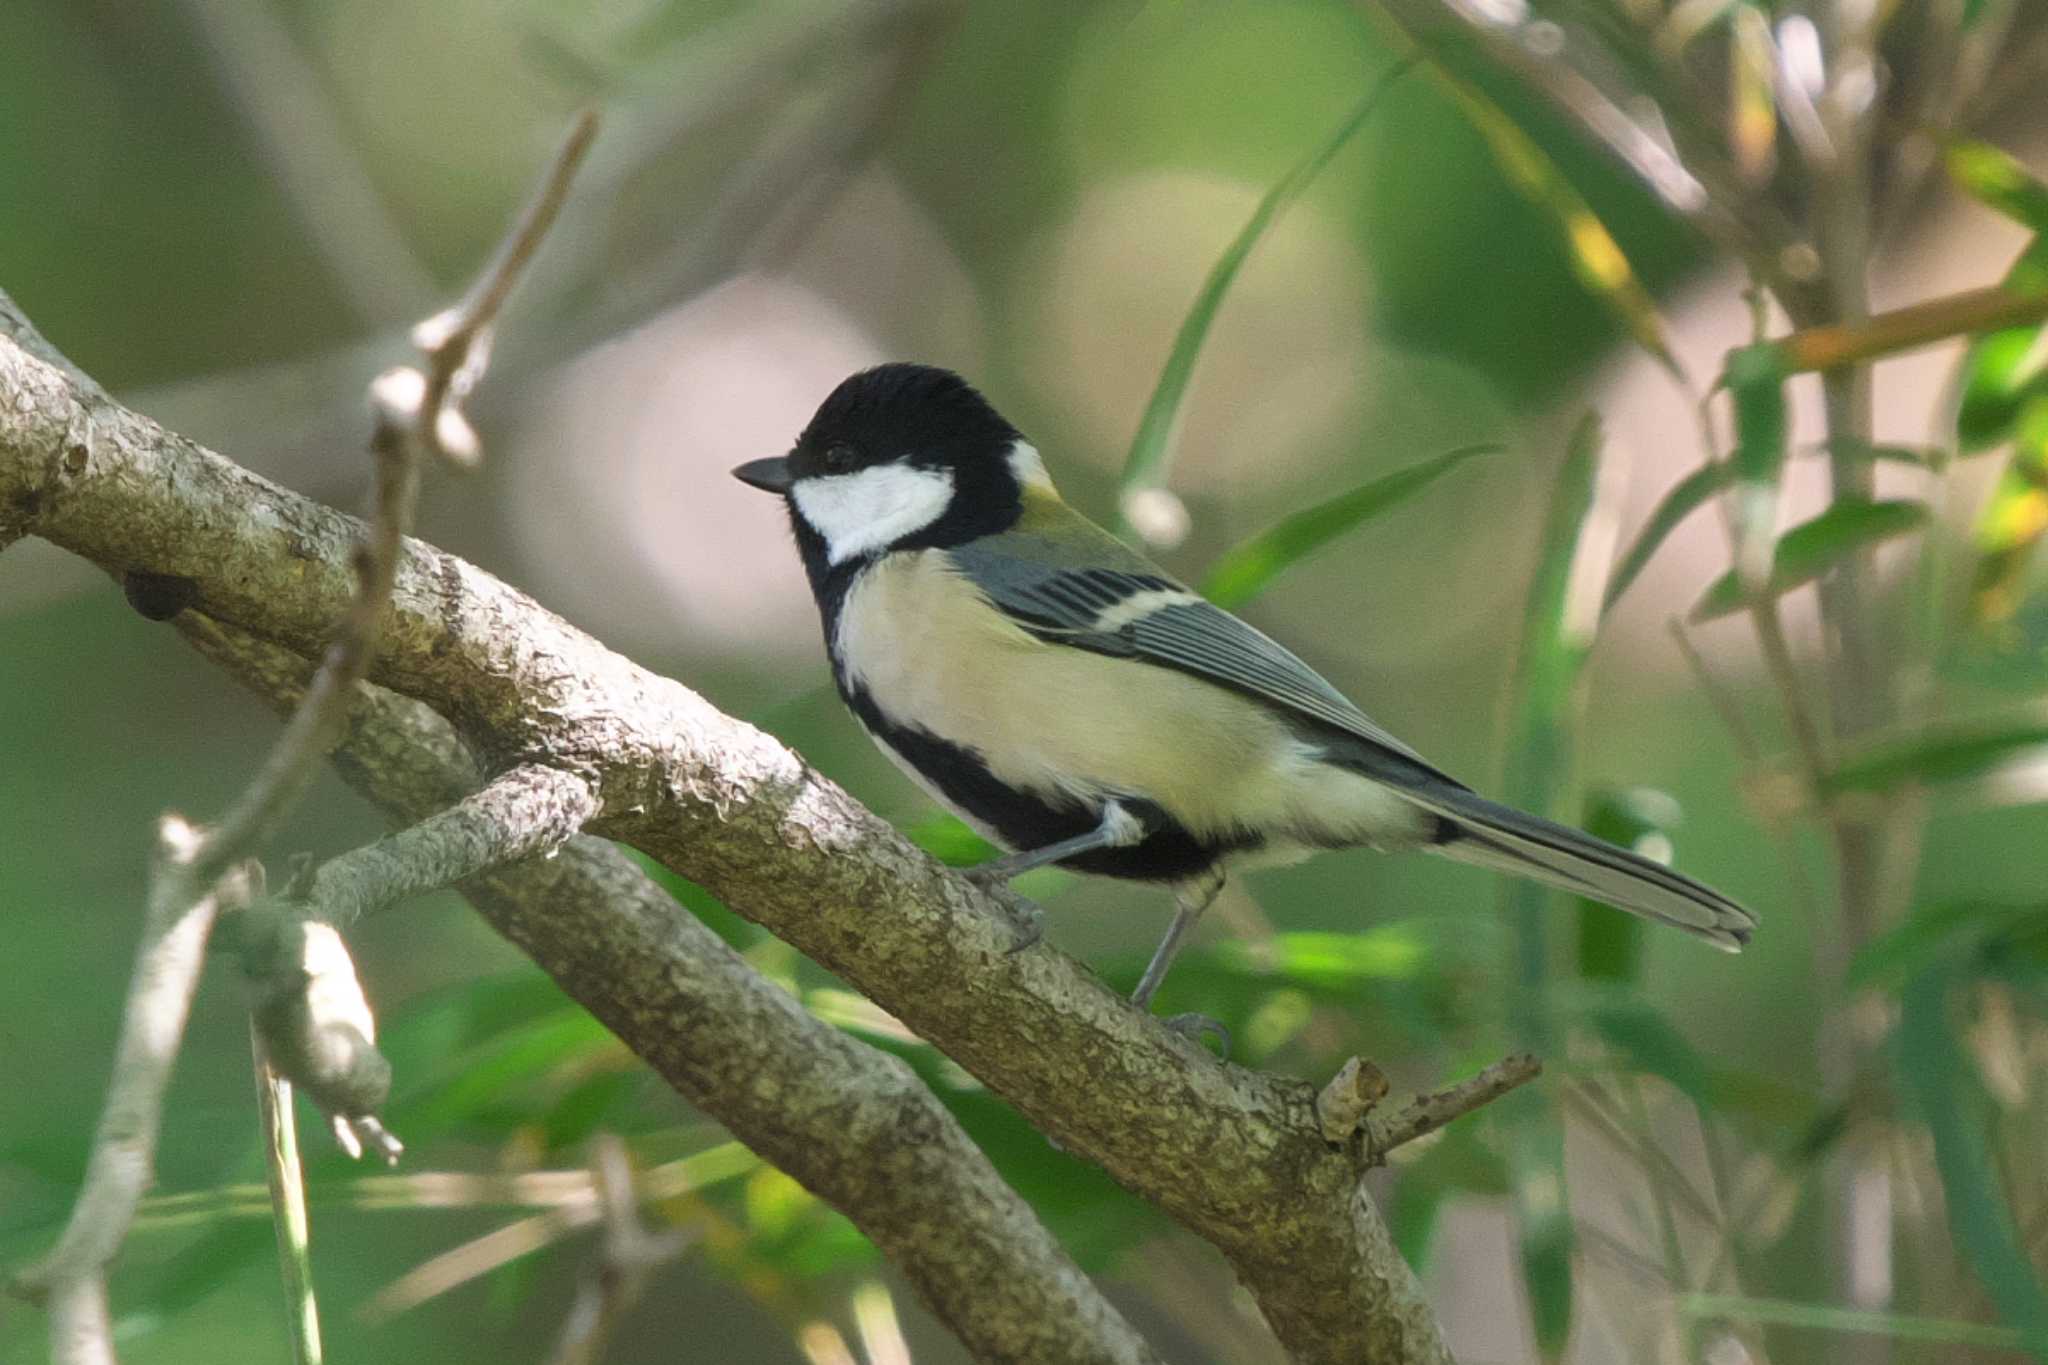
1507, 840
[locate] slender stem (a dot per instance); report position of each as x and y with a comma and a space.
288, 1203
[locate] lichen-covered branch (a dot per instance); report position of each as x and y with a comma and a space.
1235, 1156
854, 1125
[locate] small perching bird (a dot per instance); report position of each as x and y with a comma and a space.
1077, 705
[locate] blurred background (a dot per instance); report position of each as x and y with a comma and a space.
228, 211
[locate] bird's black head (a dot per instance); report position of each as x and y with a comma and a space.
898, 457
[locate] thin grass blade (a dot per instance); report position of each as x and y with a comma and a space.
1145, 467
1940, 1083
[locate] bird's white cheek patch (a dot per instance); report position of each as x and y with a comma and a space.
870, 510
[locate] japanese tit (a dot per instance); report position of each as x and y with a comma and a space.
1077, 705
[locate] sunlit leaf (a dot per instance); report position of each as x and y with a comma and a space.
1244, 571
1151, 447
2004, 374
1937, 934
1332, 961
1942, 1086
1611, 943
1809, 550
1596, 258
950, 841
1951, 753
1752, 97
1995, 178
2013, 521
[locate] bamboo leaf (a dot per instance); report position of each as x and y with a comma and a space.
1937, 934
1649, 1043
1151, 447
1596, 258
1942, 1086
2004, 374
1686, 496
1947, 754
1698, 488
1809, 550
1996, 179
1247, 568
2013, 521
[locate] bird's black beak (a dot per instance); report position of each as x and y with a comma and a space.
770, 476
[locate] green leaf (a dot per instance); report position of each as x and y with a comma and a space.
1247, 568
1809, 550
1650, 1044
2004, 373
1824, 1317
1937, 934
1686, 496
1596, 258
1543, 1223
1636, 818
1340, 962
1151, 447
950, 841
1941, 1084
1994, 178
1944, 754
1558, 620
2014, 520
1755, 377
1698, 488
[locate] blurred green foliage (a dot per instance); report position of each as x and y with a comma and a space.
147, 229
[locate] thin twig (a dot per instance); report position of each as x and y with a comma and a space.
628, 1254
185, 894
1426, 1113
527, 811
288, 1199
71, 1280
1341, 1105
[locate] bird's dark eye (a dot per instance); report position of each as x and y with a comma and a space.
840, 458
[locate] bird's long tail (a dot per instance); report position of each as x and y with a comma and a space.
1507, 840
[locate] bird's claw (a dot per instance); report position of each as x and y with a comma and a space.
1030, 926
1195, 1027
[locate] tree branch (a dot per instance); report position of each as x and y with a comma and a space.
854, 1125
1235, 1156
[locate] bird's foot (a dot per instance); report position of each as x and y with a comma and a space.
1198, 1026
1030, 926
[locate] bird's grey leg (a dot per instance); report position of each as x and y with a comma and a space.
1118, 829
1190, 899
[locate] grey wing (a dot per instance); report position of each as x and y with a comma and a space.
1137, 612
